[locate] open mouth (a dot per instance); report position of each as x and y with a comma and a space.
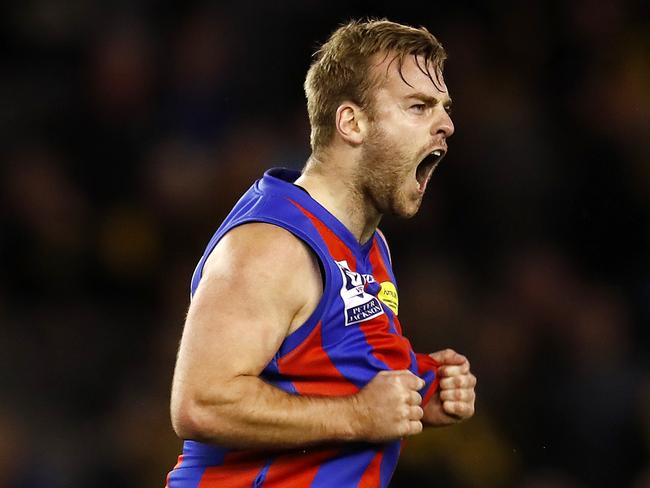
426, 167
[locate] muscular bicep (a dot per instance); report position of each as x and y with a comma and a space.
257, 283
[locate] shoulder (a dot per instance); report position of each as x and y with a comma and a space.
261, 245
267, 263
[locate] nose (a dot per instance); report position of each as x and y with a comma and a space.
443, 125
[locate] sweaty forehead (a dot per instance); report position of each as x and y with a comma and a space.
415, 72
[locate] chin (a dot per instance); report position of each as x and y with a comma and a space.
408, 215
408, 210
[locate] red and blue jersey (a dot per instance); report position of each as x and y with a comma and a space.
353, 334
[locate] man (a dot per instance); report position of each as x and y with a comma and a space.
292, 369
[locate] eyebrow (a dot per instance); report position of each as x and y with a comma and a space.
428, 99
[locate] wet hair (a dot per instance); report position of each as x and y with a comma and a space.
341, 69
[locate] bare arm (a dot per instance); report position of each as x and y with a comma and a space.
258, 285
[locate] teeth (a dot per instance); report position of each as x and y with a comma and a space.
437, 153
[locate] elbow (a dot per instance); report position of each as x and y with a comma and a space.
199, 420
189, 419
204, 414
184, 419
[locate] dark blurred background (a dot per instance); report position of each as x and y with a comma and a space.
127, 133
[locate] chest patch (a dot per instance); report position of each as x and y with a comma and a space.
388, 295
359, 306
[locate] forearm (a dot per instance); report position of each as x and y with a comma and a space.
247, 412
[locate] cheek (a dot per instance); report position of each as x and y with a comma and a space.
399, 128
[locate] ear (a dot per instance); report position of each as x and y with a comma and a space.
351, 123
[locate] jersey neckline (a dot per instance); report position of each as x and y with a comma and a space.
281, 181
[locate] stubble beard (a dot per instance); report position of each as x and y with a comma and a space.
384, 171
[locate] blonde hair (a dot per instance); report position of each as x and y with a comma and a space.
341, 68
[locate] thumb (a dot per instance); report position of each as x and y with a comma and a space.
448, 356
415, 382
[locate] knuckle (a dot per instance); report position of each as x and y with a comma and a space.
419, 413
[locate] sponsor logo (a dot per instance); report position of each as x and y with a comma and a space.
388, 295
359, 306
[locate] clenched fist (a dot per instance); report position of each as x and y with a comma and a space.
389, 406
454, 401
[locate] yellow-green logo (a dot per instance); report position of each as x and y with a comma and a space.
388, 295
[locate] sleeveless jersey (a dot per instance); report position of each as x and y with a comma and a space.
353, 334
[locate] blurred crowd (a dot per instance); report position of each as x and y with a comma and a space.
129, 132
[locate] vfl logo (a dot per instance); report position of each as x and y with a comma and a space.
359, 305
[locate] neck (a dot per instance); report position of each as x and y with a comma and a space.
334, 185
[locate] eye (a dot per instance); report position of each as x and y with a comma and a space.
418, 107
448, 109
